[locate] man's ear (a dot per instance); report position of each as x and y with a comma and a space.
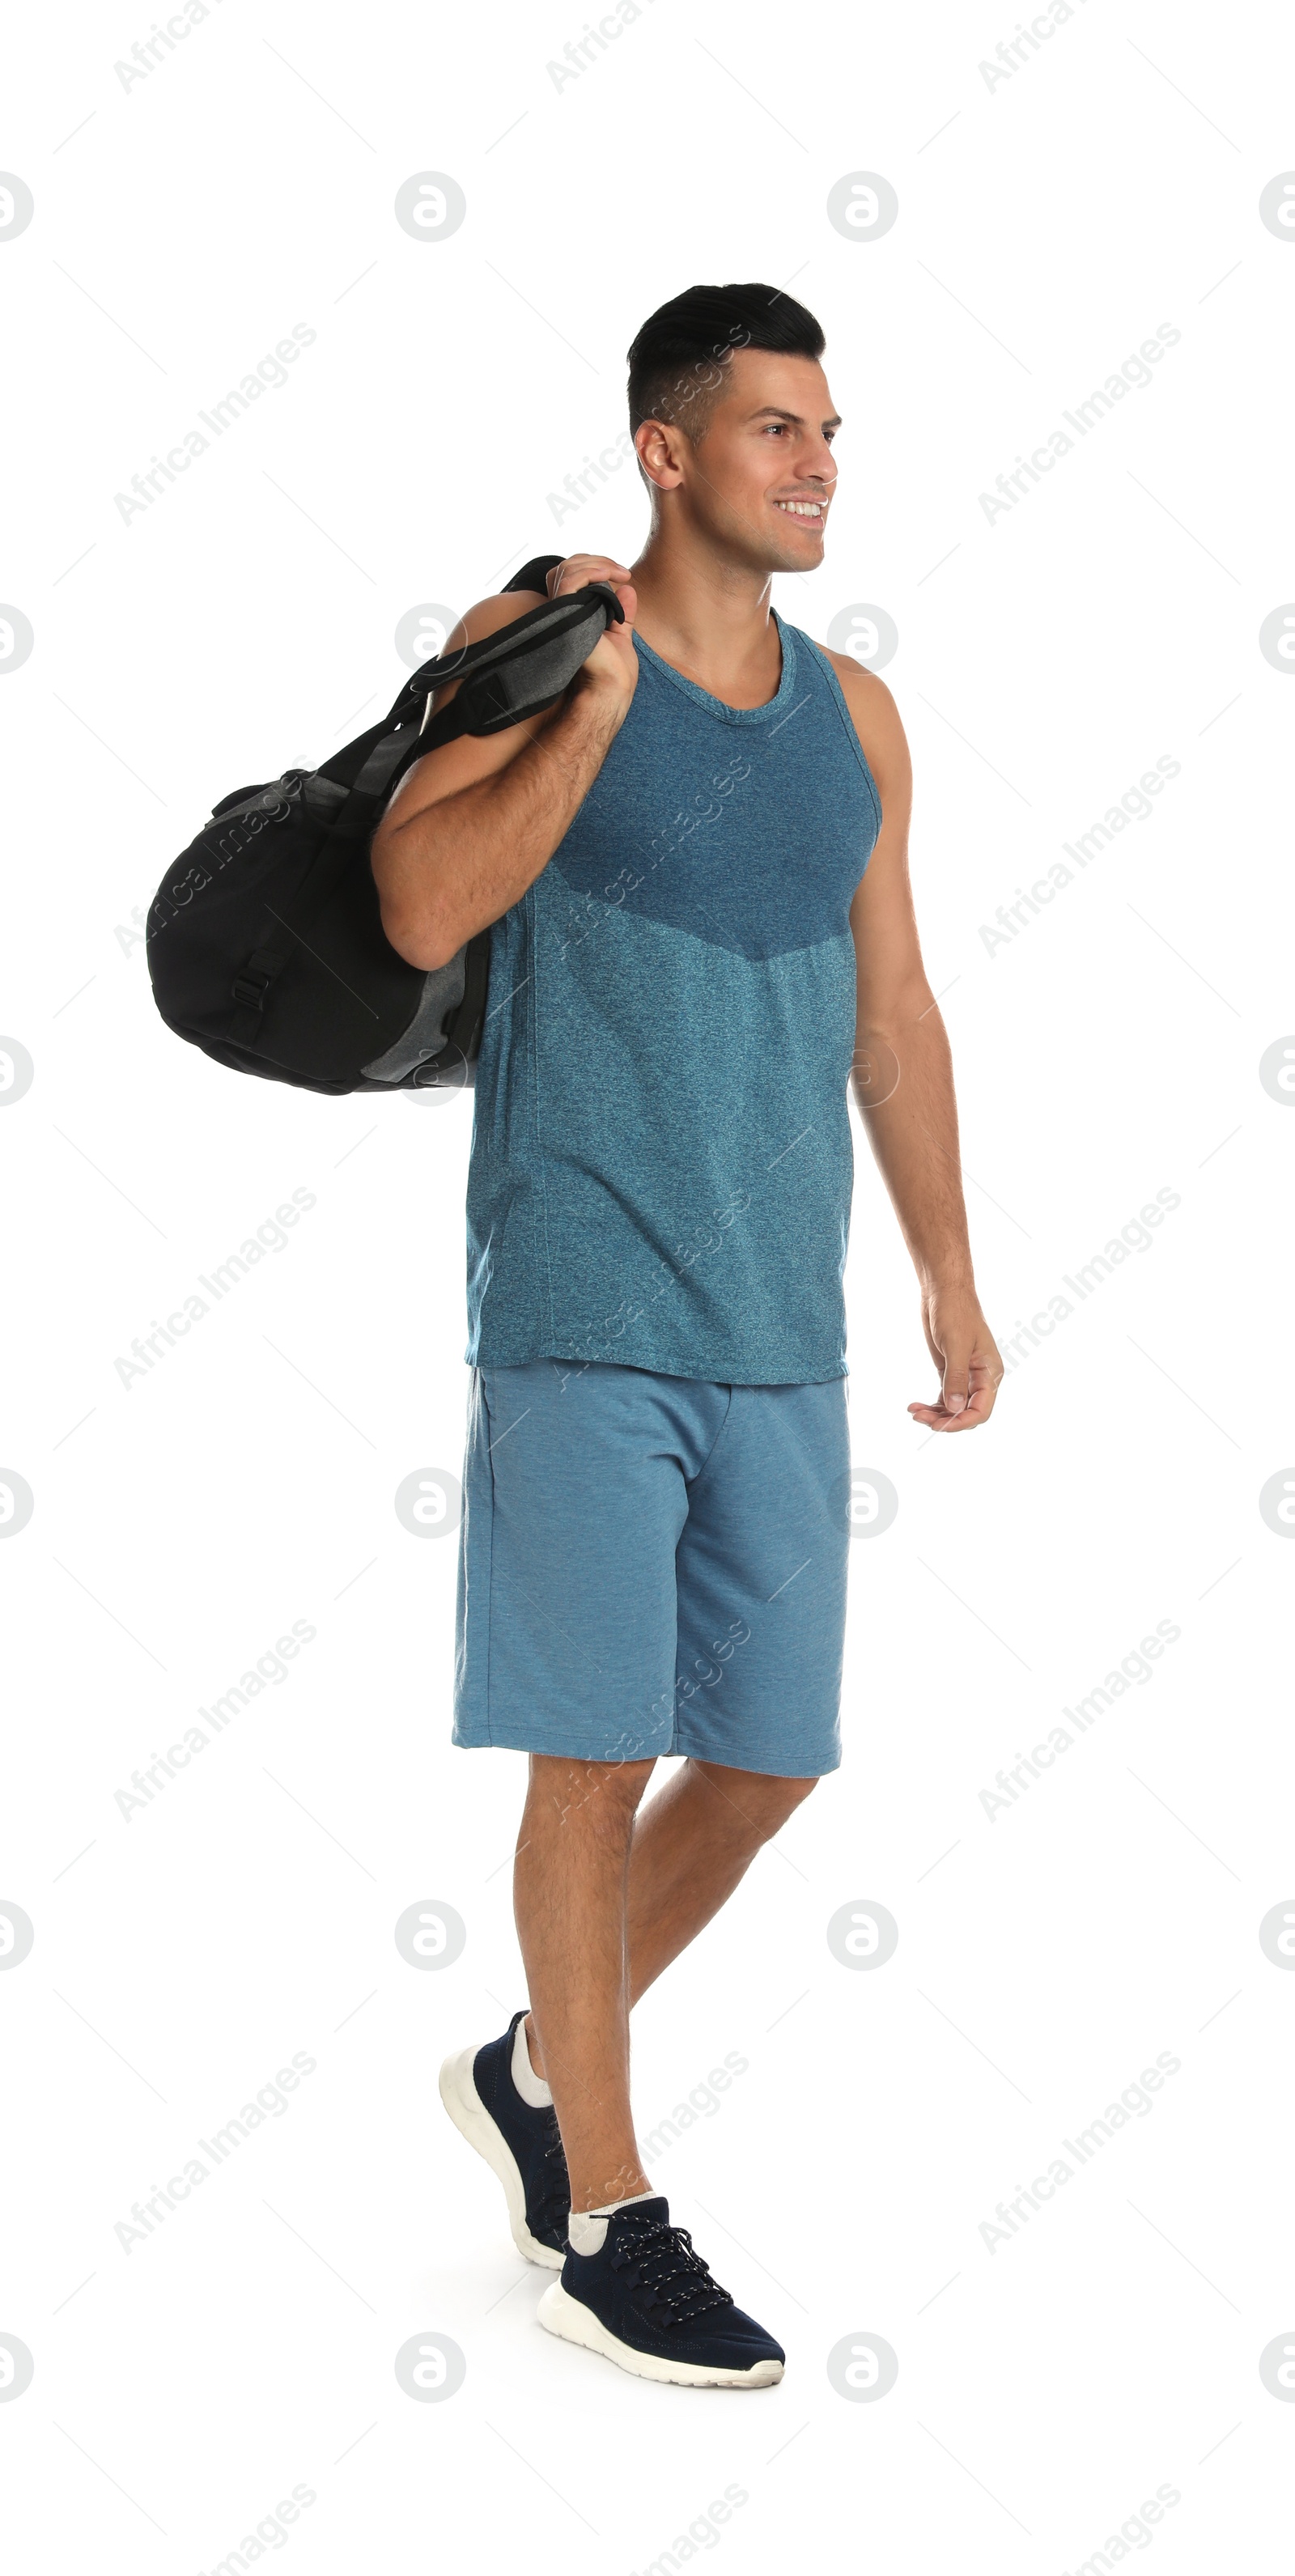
657, 446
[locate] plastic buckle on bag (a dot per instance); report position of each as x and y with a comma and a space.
249, 990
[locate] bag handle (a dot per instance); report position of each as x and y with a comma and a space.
596, 606
535, 574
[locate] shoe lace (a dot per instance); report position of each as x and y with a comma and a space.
660, 2260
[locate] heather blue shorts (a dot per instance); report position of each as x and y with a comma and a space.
653, 1565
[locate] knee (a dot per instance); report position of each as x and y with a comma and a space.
782, 1799
764, 1800
603, 1797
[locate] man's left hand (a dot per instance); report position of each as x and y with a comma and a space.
963, 1349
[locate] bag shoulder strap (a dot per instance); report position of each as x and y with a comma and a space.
594, 606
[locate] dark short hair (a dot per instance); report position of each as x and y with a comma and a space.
675, 359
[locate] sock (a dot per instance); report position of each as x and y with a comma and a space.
531, 2086
587, 2228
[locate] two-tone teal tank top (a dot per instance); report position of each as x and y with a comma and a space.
661, 1161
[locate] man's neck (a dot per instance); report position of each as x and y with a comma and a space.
709, 618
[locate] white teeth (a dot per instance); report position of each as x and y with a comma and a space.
802, 509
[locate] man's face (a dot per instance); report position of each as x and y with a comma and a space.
759, 480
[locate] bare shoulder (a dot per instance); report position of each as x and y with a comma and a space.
876, 720
471, 757
485, 617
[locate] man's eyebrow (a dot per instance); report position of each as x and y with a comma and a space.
774, 411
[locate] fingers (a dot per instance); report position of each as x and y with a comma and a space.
578, 570
955, 1389
933, 1417
984, 1377
966, 1398
628, 597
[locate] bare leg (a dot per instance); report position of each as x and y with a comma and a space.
603, 1904
570, 1884
692, 1843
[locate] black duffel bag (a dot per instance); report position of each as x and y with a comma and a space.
265, 939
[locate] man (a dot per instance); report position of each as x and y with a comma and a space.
695, 869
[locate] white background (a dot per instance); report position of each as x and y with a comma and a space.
244, 621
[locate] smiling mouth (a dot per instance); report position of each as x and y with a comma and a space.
812, 512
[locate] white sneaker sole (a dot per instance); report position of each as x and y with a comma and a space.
472, 2119
568, 2317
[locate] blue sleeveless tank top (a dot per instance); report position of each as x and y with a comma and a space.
662, 1164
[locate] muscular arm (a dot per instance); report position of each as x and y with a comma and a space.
473, 823
903, 1078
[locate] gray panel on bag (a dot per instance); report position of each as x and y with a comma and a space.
548, 668
442, 992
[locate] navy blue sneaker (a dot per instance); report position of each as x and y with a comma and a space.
522, 2145
648, 2302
